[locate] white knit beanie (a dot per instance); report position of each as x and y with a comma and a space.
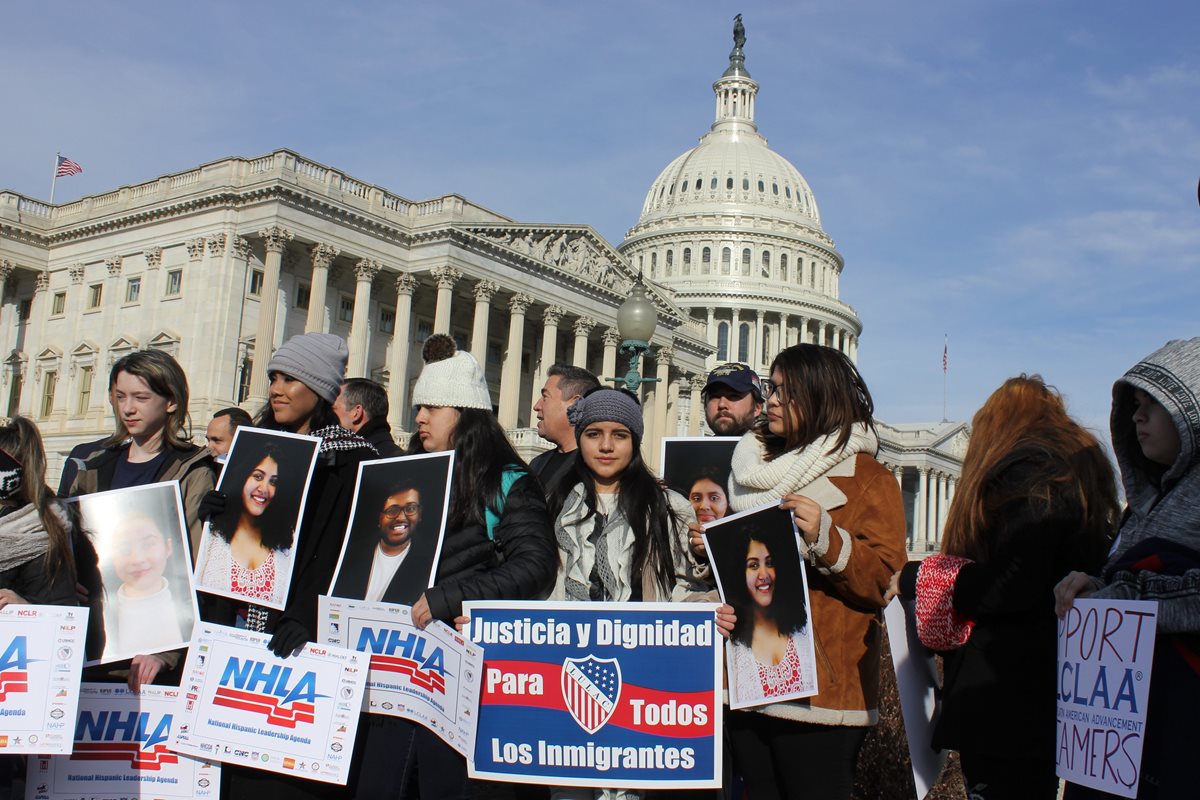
450, 377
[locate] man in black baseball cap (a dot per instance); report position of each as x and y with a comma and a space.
733, 399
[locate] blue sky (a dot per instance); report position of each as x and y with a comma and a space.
1019, 175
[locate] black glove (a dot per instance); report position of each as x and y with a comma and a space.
289, 637
211, 505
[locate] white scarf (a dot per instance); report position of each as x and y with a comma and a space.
754, 481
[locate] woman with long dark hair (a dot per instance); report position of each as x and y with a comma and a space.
708, 496
251, 545
1036, 499
815, 456
497, 546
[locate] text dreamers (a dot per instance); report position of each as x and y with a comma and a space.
285, 696
1105, 651
137, 737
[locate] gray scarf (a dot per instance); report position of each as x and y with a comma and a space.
22, 537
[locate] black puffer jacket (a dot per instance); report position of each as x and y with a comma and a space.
519, 565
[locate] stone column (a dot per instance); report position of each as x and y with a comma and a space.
33, 344
583, 326
785, 331
398, 364
276, 240
484, 291
920, 503
696, 405
510, 373
550, 319
735, 337
756, 353
711, 331
322, 256
364, 272
446, 277
673, 407
931, 512
661, 398
6, 270
943, 502
612, 340
950, 489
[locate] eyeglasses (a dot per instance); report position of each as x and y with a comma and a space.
408, 510
769, 388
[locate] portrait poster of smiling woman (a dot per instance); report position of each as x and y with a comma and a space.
142, 544
391, 548
698, 468
771, 654
246, 550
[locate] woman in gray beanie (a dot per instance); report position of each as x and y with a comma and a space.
497, 546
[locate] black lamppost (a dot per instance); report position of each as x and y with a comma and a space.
636, 320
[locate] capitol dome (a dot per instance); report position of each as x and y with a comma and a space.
732, 230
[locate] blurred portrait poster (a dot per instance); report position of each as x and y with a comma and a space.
394, 537
41, 656
429, 676
756, 558
698, 468
122, 749
919, 687
243, 705
142, 543
598, 694
247, 550
1105, 652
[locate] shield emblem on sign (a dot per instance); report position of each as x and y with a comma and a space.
591, 687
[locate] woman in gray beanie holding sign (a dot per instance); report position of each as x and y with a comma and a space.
497, 546
305, 374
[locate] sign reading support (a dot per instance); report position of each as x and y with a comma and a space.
598, 694
41, 655
244, 705
1105, 651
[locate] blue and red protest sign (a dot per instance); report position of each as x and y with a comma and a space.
598, 694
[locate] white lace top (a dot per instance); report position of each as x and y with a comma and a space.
221, 573
794, 676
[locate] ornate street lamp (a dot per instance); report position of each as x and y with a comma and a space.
636, 320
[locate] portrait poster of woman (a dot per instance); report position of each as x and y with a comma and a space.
770, 655
246, 550
698, 468
391, 547
144, 558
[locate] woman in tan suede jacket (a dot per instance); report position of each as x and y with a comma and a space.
815, 456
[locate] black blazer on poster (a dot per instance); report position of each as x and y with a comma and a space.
410, 580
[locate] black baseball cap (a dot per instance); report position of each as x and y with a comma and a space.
736, 376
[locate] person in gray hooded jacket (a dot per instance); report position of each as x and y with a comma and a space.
1156, 437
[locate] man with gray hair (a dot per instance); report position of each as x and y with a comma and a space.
564, 385
362, 407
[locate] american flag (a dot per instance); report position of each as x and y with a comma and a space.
946, 356
67, 167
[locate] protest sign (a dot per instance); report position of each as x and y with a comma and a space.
428, 676
919, 686
698, 468
243, 705
598, 694
265, 484
121, 750
142, 546
1105, 651
41, 655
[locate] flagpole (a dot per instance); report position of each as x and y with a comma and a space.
54, 176
945, 370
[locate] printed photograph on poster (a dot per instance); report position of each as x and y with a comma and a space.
41, 656
698, 468
756, 558
122, 749
1105, 659
598, 694
243, 705
394, 537
920, 687
142, 543
247, 550
428, 676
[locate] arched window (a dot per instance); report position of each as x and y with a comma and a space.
766, 264
687, 261
654, 265
744, 342
787, 191
672, 189
726, 255
670, 263
729, 183
783, 266
761, 187
713, 183
775, 189
684, 189
706, 260
746, 261
745, 184
723, 341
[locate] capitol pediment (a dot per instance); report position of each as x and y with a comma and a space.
576, 251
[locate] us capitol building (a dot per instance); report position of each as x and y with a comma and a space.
209, 263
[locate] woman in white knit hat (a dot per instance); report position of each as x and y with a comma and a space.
498, 545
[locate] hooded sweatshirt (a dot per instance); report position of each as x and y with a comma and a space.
1167, 509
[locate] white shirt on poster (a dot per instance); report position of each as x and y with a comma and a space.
383, 569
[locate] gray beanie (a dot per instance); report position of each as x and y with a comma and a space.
450, 377
318, 360
607, 405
